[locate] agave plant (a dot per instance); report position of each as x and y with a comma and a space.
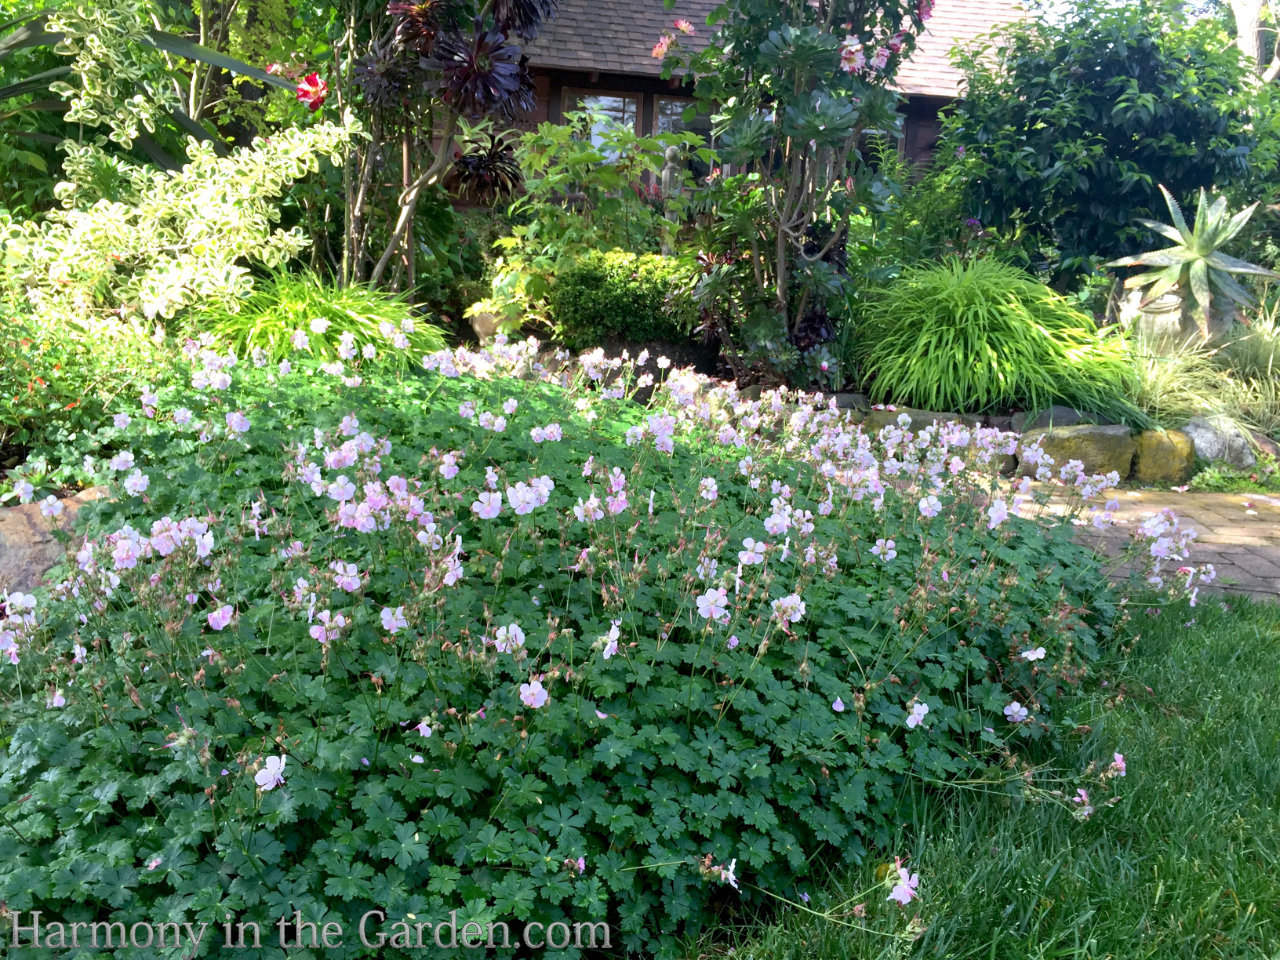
1195, 264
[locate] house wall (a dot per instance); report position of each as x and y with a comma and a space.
921, 126
554, 89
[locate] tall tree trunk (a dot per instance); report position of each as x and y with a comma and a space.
1250, 35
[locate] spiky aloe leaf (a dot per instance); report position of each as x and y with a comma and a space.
1162, 228
1175, 212
1160, 283
1237, 223
1220, 261
1232, 290
1199, 277
1202, 217
1168, 257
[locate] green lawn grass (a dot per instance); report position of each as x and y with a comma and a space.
1185, 865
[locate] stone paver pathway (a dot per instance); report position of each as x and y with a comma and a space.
1239, 533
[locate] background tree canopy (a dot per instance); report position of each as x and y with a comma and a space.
1069, 128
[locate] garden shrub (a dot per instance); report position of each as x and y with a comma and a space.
590, 185
459, 269
984, 335
56, 384
619, 294
526, 652
1069, 124
151, 242
333, 323
922, 217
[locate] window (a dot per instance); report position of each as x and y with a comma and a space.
616, 109
668, 117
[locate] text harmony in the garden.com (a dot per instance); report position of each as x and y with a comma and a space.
35, 931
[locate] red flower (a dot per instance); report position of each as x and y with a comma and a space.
313, 91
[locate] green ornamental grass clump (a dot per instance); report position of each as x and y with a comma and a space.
469, 642
982, 335
301, 312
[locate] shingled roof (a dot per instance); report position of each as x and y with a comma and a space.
929, 72
617, 36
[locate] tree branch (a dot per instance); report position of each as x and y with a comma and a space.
409, 199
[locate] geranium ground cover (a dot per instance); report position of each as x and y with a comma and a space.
505, 641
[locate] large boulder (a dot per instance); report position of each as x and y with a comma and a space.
1221, 440
1055, 416
28, 548
877, 420
1265, 444
1163, 458
852, 401
1101, 449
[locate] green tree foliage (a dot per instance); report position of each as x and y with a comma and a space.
794, 86
1068, 127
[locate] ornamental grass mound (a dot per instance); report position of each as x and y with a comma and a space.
518, 647
981, 335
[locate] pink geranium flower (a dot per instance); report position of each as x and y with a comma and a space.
917, 715
713, 604
1015, 712
487, 505
904, 891
219, 618
533, 694
393, 621
272, 773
